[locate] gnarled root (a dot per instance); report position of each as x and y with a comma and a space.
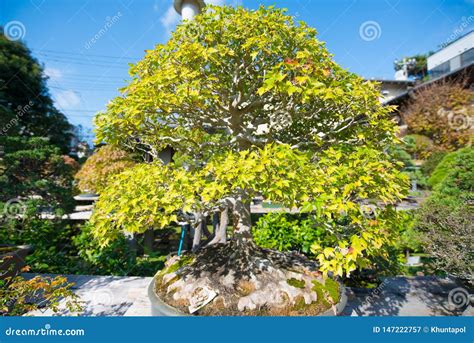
243, 279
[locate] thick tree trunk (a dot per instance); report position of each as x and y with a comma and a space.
220, 229
132, 245
188, 237
149, 238
242, 221
205, 230
198, 231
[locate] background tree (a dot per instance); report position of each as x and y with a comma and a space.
26, 107
253, 104
443, 112
416, 65
99, 168
31, 169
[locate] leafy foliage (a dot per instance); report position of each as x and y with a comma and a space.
279, 231
450, 163
254, 77
442, 112
19, 296
418, 146
31, 167
432, 162
101, 166
26, 108
152, 195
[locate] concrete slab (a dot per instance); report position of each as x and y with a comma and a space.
107, 296
408, 296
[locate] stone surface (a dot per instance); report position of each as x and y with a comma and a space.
406, 296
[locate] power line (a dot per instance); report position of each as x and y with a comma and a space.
68, 74
91, 55
84, 89
87, 64
78, 59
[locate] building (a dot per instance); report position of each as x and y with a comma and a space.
390, 89
453, 56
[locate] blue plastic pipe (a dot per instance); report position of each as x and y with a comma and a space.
183, 231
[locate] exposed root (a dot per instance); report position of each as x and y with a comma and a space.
238, 279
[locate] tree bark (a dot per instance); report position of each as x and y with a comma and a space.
132, 245
149, 238
198, 231
242, 221
205, 231
220, 229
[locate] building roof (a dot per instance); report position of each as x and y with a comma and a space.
467, 71
406, 82
454, 41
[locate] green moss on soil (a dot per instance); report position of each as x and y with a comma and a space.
300, 304
296, 283
183, 261
332, 288
329, 289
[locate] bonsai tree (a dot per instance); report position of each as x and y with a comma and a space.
99, 168
252, 103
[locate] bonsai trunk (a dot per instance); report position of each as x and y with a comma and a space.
220, 229
149, 238
242, 222
198, 229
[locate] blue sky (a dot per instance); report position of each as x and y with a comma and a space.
86, 45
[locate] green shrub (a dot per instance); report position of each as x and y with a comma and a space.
289, 232
447, 216
31, 167
284, 233
418, 146
432, 162
115, 259
409, 238
53, 251
460, 159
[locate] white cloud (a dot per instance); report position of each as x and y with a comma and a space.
215, 2
53, 73
170, 19
67, 99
